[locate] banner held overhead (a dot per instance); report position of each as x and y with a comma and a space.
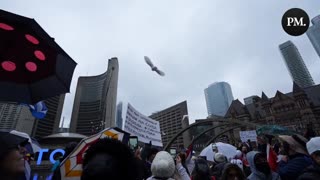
142, 126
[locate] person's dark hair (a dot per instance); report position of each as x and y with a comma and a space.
201, 170
152, 151
111, 159
68, 149
183, 157
228, 167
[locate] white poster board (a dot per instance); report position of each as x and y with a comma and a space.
142, 126
245, 135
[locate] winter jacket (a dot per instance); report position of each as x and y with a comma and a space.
310, 173
294, 167
257, 175
182, 172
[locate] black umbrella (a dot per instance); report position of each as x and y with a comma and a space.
32, 66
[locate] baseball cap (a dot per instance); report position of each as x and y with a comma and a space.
313, 145
8, 141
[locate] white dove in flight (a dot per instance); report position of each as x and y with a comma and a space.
153, 68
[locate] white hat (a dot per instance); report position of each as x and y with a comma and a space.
237, 162
313, 145
219, 158
163, 165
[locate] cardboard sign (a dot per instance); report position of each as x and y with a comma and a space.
245, 135
142, 126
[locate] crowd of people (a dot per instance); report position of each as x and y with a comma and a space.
286, 158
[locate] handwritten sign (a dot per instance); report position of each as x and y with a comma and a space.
245, 135
142, 126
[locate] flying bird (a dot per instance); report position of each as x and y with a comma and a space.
153, 68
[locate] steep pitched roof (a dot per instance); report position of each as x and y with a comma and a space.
264, 97
237, 107
280, 96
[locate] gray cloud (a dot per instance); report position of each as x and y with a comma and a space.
195, 42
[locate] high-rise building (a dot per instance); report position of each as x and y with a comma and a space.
50, 123
94, 105
172, 120
295, 64
119, 119
314, 33
15, 116
218, 97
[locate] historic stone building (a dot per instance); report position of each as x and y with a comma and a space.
297, 110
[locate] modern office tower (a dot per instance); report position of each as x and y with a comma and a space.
172, 120
314, 33
218, 98
295, 64
50, 123
94, 105
119, 119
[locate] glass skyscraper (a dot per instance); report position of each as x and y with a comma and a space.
119, 119
314, 33
295, 64
218, 97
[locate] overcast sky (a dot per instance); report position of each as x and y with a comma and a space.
196, 43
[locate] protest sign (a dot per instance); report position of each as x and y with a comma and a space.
142, 126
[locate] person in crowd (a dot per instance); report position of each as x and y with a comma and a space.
259, 166
312, 172
242, 155
68, 149
295, 158
215, 148
151, 153
201, 171
232, 172
183, 157
220, 160
162, 167
12, 163
244, 150
182, 173
309, 133
264, 145
109, 159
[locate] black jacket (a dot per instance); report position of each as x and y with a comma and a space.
311, 173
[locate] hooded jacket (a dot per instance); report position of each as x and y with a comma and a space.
257, 175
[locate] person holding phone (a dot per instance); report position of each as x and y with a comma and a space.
182, 171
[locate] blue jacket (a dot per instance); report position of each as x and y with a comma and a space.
294, 167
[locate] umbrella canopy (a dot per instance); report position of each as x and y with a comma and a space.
274, 130
33, 67
8, 141
226, 149
71, 167
35, 147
